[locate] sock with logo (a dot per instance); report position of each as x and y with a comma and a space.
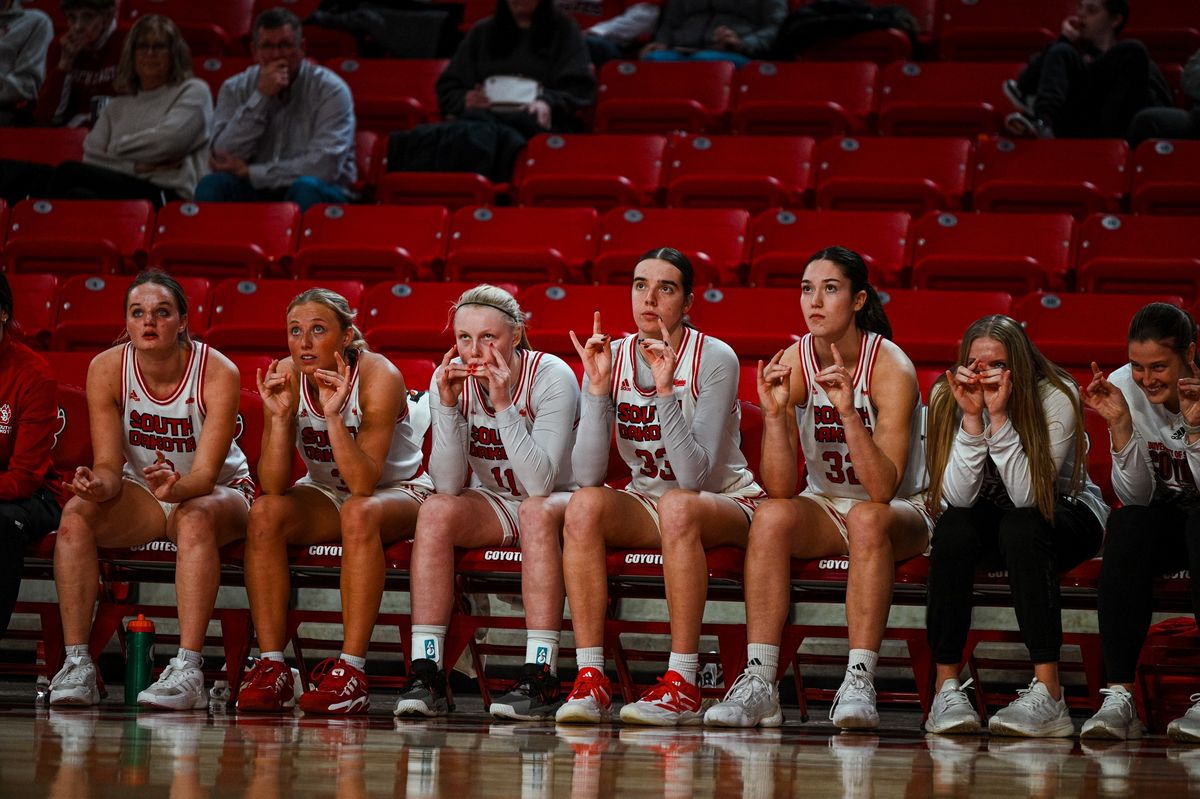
275, 656
541, 646
686, 666
428, 641
863, 662
590, 657
189, 657
79, 652
354, 660
763, 660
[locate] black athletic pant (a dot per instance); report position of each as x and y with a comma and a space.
75, 180
1035, 554
22, 521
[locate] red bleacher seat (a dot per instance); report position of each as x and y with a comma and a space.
900, 174
1077, 176
943, 98
1139, 255
781, 242
597, 170
726, 313
881, 45
70, 368
35, 305
521, 245
371, 242
410, 318
208, 28
1166, 178
660, 97
391, 93
928, 325
586, 14
417, 372
3, 223
73, 236
42, 145
93, 316
366, 150
553, 310
728, 171
73, 439
248, 366
225, 239
999, 30
215, 70
810, 99
1017, 253
1169, 29
451, 189
250, 315
714, 240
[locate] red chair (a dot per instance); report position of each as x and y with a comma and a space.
36, 305
1076, 176
248, 367
585, 13
391, 93
660, 97
1169, 29
521, 245
999, 30
596, 170
1017, 253
552, 311
250, 315
803, 99
1166, 178
450, 189
92, 315
777, 320
366, 150
728, 171
781, 242
943, 98
417, 372
1138, 255
208, 28
371, 242
928, 325
74, 236
714, 241
215, 70
225, 239
410, 318
70, 368
42, 145
891, 174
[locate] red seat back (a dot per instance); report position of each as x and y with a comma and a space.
225, 239
714, 240
390, 93
597, 170
781, 242
943, 99
78, 236
660, 97
1076, 176
371, 242
522, 245
727, 171
803, 99
901, 174
1166, 178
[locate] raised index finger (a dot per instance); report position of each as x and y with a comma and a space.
837, 356
597, 328
1096, 373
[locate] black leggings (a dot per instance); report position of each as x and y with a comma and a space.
1035, 554
1143, 543
22, 521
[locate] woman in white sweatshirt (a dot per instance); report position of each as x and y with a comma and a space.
152, 142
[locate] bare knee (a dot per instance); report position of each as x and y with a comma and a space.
267, 521
585, 514
361, 518
541, 522
75, 528
773, 523
439, 519
679, 517
867, 529
195, 525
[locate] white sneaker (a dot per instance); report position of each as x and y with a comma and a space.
1117, 718
1038, 764
750, 702
854, 705
952, 712
855, 755
953, 761
75, 683
1185, 729
179, 687
1115, 759
1034, 714
77, 729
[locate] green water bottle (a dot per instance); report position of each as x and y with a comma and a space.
139, 657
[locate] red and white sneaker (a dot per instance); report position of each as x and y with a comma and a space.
673, 702
340, 690
267, 688
590, 700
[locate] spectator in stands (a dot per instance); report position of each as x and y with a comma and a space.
672, 392
537, 62
1086, 84
150, 143
505, 415
1007, 453
25, 36
1172, 123
716, 30
82, 78
163, 410
848, 397
613, 37
31, 493
1152, 407
284, 128
345, 410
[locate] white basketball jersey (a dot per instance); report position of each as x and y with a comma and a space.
403, 462
1165, 438
170, 425
823, 439
639, 435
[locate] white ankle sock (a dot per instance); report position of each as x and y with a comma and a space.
763, 660
190, 657
590, 657
541, 646
863, 661
428, 640
79, 652
686, 665
275, 656
354, 660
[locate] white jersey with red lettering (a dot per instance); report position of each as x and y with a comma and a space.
1157, 465
639, 435
172, 424
823, 439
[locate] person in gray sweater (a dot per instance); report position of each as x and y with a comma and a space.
24, 38
284, 128
716, 30
1171, 123
150, 143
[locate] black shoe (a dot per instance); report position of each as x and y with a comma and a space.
536, 695
425, 694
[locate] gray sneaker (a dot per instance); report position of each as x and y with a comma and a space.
1034, 714
1027, 126
1185, 729
535, 696
75, 684
425, 694
1117, 718
854, 705
952, 712
179, 687
750, 702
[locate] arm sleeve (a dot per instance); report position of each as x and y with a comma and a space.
460, 75
589, 458
184, 128
448, 456
241, 116
1009, 456
28, 69
538, 455
573, 85
97, 143
1132, 474
964, 471
54, 96
31, 457
760, 40
324, 151
694, 449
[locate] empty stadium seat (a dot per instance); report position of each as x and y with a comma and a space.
35, 304
781, 242
597, 170
893, 174
943, 98
552, 311
522, 245
70, 367
1017, 253
371, 242
1138, 255
410, 318
74, 236
1166, 178
451, 189
928, 325
999, 30
251, 315
1169, 29
367, 149
729, 172
208, 28
417, 372
391, 93
1076, 176
248, 367
215, 70
714, 240
225, 239
661, 97
92, 313
809, 99
42, 145
726, 313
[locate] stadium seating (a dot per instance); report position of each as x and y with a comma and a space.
410, 319
35, 304
92, 315
70, 368
1166, 178
1138, 255
600, 171
251, 315
391, 94
371, 242
552, 311
218, 240
756, 322
714, 240
78, 236
215, 70
1076, 176
521, 245
999, 30
42, 145
943, 98
1169, 29
781, 242
248, 367
417, 372
803, 99
726, 171
928, 325
451, 189
660, 97
891, 174
209, 29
